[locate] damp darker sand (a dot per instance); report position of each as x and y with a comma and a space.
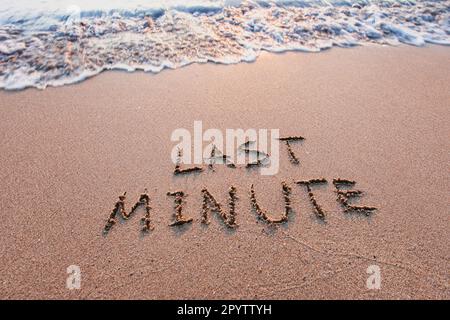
378, 116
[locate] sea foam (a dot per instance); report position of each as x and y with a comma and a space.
53, 43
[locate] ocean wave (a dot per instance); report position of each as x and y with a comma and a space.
53, 43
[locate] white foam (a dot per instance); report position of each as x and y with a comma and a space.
52, 43
9, 47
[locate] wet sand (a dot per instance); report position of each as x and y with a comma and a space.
376, 115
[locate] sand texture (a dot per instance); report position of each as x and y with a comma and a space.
376, 115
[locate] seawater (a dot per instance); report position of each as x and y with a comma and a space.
53, 43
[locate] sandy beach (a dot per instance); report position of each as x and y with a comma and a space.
374, 114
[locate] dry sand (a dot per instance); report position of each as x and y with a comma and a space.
378, 115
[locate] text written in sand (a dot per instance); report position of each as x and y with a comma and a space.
343, 188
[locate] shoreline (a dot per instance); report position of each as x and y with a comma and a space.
59, 47
263, 53
376, 115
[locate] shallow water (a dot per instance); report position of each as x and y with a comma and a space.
51, 43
